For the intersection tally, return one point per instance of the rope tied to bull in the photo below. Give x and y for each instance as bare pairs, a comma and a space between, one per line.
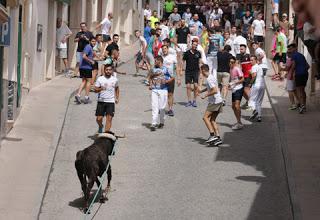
102, 179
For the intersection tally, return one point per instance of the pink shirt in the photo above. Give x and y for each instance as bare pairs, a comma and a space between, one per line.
236, 74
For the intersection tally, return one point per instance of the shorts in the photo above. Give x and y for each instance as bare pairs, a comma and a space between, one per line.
63, 53
192, 78
247, 82
259, 39
86, 74
139, 57
214, 107
310, 43
301, 81
275, 10
291, 85
105, 108
79, 57
237, 95
280, 59
223, 78
171, 87
150, 58
183, 47
105, 37
95, 66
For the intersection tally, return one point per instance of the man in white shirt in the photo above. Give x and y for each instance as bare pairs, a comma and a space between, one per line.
147, 12
164, 29
105, 27
108, 95
141, 55
234, 5
239, 40
258, 29
63, 33
261, 56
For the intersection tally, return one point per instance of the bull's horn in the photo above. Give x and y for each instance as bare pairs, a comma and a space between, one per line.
107, 135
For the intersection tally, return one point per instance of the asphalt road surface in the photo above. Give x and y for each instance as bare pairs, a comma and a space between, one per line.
171, 173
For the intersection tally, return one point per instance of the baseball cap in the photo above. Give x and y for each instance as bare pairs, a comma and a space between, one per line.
284, 15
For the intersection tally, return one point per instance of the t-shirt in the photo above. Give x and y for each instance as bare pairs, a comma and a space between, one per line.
246, 23
157, 82
83, 42
187, 17
147, 33
61, 33
233, 6
259, 80
259, 52
143, 43
281, 38
235, 76
85, 65
147, 13
301, 67
153, 21
182, 35
174, 17
110, 84
307, 27
258, 27
246, 65
198, 26
164, 31
171, 52
239, 40
227, 26
170, 62
111, 47
215, 44
168, 6
224, 61
192, 61
106, 25
212, 83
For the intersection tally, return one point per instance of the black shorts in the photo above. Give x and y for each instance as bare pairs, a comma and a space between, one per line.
301, 81
192, 78
105, 108
237, 95
280, 59
259, 39
246, 82
95, 66
87, 74
171, 87
139, 57
105, 37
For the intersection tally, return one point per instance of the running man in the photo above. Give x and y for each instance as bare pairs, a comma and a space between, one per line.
108, 95
214, 106
192, 58
159, 80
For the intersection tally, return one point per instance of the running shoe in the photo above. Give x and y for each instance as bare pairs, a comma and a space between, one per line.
237, 126
254, 115
245, 105
153, 127
293, 107
86, 100
194, 104
77, 99
211, 139
302, 109
259, 119
170, 113
189, 104
224, 103
146, 82
217, 142
160, 126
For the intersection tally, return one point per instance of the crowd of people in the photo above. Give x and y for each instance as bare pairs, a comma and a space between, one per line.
216, 45
221, 46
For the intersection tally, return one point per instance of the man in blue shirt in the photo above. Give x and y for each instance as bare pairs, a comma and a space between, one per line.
216, 42
301, 72
147, 31
86, 66
159, 80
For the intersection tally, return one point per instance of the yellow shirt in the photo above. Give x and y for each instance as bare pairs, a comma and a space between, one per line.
153, 20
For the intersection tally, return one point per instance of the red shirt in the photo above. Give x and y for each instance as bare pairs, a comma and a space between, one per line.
246, 65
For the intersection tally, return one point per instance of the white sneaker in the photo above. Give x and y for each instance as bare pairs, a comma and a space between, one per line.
237, 126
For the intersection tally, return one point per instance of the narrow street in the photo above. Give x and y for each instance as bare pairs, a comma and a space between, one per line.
171, 173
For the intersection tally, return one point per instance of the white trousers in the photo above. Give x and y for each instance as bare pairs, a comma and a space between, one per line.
159, 99
256, 98
213, 65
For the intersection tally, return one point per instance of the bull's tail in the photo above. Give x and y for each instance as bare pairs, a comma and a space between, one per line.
79, 164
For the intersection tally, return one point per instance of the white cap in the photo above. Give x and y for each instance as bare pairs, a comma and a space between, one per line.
284, 15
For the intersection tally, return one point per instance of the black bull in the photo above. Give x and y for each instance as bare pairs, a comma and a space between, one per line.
91, 163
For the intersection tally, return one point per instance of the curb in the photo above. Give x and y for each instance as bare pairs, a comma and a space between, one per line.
294, 201
53, 151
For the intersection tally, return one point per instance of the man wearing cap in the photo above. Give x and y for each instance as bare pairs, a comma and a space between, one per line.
285, 25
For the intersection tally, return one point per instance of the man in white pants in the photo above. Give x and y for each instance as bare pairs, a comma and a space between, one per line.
159, 80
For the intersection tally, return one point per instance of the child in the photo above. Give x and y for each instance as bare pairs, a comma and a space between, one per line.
159, 80
257, 89
291, 87
214, 106
108, 95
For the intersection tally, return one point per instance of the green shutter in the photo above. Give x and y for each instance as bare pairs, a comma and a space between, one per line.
65, 1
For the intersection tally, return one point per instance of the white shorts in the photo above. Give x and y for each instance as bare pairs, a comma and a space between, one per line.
275, 10
183, 47
63, 53
291, 85
79, 57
